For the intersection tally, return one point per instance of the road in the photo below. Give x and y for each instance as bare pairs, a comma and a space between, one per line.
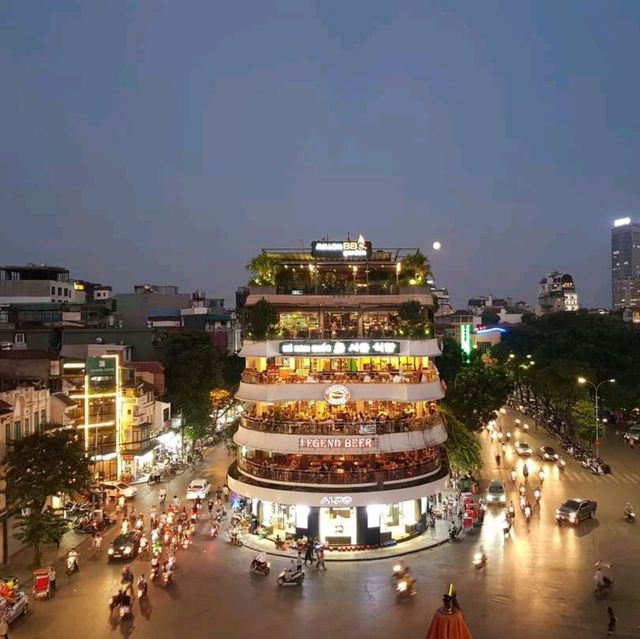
538, 584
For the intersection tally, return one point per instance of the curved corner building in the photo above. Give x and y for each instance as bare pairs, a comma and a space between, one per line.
341, 436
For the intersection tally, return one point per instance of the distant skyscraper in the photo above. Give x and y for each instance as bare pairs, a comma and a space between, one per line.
625, 264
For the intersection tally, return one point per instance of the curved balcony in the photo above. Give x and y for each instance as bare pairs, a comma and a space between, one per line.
337, 427
357, 377
400, 392
340, 478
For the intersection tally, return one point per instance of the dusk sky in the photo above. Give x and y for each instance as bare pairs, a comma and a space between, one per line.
169, 141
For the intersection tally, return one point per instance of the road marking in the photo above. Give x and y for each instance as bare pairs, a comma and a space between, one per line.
615, 480
632, 478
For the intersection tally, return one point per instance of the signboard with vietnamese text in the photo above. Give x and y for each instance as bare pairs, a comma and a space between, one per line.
346, 444
345, 348
101, 372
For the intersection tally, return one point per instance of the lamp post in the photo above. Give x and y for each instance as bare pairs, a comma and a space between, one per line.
596, 388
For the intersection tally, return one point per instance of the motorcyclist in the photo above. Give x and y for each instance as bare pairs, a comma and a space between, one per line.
127, 575
400, 570
215, 528
73, 559
290, 571
629, 509
261, 560
514, 474
541, 475
525, 471
537, 494
511, 511
162, 495
142, 587
527, 511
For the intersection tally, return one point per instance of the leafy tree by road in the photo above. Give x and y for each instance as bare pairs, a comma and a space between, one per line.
478, 391
451, 362
40, 466
463, 448
584, 416
194, 368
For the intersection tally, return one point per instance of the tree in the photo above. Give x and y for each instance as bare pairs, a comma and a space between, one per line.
38, 467
415, 269
451, 361
194, 367
264, 269
584, 418
478, 391
262, 319
463, 448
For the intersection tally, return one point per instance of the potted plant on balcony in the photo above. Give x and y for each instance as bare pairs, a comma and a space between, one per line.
414, 270
264, 270
413, 320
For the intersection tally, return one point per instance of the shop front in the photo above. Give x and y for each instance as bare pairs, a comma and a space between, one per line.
137, 463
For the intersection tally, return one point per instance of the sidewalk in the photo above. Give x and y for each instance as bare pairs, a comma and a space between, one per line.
429, 539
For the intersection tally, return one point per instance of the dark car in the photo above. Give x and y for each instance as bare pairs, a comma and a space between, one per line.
547, 453
125, 546
575, 510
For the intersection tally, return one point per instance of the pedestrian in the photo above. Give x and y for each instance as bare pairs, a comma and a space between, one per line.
4, 628
57, 541
98, 544
299, 561
125, 511
210, 507
52, 578
320, 556
612, 619
218, 493
225, 492
308, 552
498, 460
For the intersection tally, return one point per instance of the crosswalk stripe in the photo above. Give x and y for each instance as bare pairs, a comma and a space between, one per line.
614, 480
631, 477
636, 476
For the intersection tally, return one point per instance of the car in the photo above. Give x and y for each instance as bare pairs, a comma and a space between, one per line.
576, 510
523, 449
547, 453
198, 488
19, 608
125, 546
117, 488
496, 493
633, 433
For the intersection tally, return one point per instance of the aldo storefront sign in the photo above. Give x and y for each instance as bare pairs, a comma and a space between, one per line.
336, 500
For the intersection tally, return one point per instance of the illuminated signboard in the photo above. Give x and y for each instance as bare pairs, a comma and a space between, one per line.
347, 248
623, 221
101, 372
465, 339
336, 394
340, 443
336, 500
343, 347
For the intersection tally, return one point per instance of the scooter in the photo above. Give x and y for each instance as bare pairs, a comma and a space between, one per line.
215, 531
454, 533
406, 588
154, 573
399, 572
167, 577
260, 568
561, 464
630, 516
479, 560
234, 539
291, 579
72, 565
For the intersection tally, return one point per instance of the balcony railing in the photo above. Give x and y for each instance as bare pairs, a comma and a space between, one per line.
360, 476
339, 333
358, 377
337, 427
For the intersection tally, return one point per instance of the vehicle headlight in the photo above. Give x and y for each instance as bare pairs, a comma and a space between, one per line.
572, 516
503, 498
402, 586
127, 550
110, 551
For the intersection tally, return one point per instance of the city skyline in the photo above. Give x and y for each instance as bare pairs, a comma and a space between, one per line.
154, 144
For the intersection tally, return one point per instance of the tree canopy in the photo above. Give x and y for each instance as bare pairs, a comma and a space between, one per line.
463, 448
262, 319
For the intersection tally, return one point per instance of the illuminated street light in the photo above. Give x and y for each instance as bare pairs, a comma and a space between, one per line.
596, 387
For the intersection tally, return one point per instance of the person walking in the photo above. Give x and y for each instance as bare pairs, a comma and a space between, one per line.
612, 620
225, 492
320, 556
308, 552
52, 578
98, 545
498, 458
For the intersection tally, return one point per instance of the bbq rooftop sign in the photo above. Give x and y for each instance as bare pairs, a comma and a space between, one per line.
359, 248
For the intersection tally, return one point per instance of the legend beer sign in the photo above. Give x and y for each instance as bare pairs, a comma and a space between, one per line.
340, 444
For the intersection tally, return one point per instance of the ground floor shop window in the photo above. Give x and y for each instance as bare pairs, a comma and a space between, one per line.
338, 526
396, 521
278, 519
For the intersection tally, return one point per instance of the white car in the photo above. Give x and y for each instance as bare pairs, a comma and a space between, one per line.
496, 493
117, 488
523, 449
198, 488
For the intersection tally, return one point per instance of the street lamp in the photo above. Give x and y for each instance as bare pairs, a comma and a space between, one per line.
596, 388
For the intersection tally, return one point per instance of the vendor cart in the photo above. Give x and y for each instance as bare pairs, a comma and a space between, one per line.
41, 584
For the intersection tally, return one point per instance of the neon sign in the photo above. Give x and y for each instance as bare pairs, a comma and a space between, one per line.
346, 248
336, 394
343, 443
346, 347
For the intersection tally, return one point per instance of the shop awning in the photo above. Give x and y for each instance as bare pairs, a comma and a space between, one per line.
139, 452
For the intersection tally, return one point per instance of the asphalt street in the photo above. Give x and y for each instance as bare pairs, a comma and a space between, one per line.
537, 584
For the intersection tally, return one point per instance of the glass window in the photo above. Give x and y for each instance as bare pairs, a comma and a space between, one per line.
59, 291
43, 416
16, 431
7, 434
26, 426
36, 421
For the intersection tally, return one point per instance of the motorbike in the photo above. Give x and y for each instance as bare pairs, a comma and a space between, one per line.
234, 539
506, 528
215, 531
142, 590
454, 533
400, 571
406, 588
291, 579
154, 573
72, 564
479, 560
561, 463
630, 516
167, 577
260, 567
